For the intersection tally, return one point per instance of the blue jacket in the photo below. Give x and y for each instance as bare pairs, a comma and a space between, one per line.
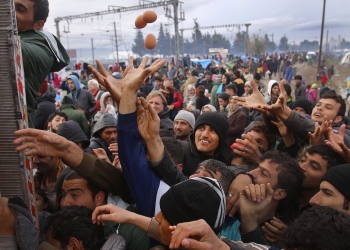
83, 99
145, 186
289, 73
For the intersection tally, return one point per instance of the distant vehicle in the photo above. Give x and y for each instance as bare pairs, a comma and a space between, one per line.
345, 59
310, 55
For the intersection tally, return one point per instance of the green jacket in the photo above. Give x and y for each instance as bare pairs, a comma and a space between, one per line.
39, 59
75, 115
214, 96
135, 238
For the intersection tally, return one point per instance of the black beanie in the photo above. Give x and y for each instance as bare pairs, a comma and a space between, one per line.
194, 199
303, 103
324, 90
67, 100
215, 120
257, 76
224, 96
72, 132
339, 177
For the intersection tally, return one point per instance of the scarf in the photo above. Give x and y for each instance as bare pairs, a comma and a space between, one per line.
231, 112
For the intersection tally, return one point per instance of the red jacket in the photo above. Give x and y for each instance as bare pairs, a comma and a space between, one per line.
177, 100
324, 79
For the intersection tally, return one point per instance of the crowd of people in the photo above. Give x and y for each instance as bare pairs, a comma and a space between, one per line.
184, 158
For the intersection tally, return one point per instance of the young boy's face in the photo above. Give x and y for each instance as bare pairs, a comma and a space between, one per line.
163, 229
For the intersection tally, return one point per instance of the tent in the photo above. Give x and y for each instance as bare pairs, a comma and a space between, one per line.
345, 59
204, 62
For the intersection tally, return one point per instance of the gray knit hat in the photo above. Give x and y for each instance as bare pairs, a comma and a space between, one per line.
187, 116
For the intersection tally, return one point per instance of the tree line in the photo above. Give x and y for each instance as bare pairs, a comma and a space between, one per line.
200, 43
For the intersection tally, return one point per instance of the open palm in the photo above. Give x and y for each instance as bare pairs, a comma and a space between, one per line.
256, 99
134, 77
108, 81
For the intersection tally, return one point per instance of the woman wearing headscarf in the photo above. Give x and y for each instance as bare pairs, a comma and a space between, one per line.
190, 98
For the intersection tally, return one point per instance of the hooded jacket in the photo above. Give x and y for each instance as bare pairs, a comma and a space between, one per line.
165, 122
83, 99
214, 95
72, 132
75, 115
103, 106
44, 108
96, 141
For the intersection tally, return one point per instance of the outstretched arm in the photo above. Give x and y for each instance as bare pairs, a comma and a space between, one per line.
44, 143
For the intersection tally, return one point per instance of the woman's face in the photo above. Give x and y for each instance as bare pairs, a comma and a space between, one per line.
233, 104
40, 204
246, 89
222, 102
206, 110
192, 91
224, 79
275, 90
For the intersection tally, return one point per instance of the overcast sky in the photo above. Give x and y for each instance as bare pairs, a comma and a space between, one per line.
298, 19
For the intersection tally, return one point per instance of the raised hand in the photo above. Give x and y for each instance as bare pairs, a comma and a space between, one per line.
44, 143
101, 154
134, 77
110, 213
253, 100
195, 235
336, 142
317, 136
113, 147
108, 81
232, 204
255, 198
284, 131
274, 229
280, 107
248, 148
147, 120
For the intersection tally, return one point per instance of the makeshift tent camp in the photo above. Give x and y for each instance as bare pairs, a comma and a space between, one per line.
345, 59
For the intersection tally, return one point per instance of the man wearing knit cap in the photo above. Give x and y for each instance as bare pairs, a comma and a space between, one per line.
183, 202
71, 131
183, 125
302, 106
334, 189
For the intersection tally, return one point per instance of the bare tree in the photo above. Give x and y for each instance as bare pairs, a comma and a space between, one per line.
257, 44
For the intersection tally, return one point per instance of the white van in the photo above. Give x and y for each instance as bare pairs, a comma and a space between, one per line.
310, 54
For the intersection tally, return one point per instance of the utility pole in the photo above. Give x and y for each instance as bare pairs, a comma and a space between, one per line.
116, 41
141, 6
327, 43
195, 36
176, 24
321, 38
246, 38
183, 43
92, 50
